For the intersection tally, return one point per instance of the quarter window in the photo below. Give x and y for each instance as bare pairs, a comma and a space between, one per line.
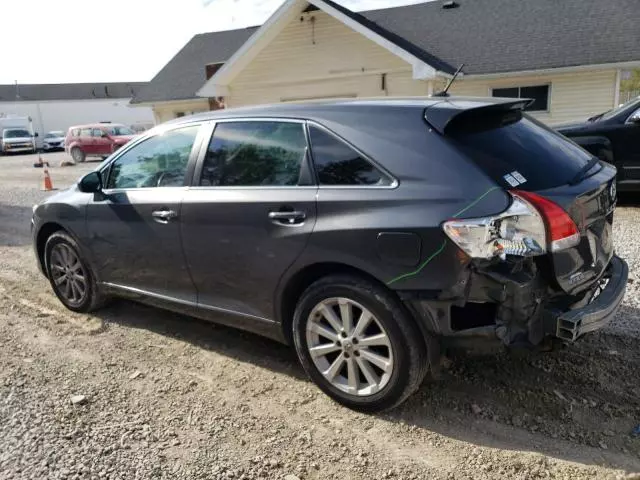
539, 94
336, 163
262, 153
160, 161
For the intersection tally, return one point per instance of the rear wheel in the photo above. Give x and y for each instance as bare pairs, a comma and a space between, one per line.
358, 344
77, 155
71, 278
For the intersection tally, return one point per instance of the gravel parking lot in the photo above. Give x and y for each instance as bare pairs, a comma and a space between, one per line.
166, 396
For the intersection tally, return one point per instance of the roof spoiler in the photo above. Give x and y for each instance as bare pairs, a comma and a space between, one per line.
441, 115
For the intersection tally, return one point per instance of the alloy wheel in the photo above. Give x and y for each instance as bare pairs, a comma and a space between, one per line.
67, 274
349, 346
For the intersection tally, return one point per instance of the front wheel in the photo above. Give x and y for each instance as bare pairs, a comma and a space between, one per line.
71, 278
358, 344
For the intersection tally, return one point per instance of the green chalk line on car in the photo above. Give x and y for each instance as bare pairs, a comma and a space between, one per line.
444, 243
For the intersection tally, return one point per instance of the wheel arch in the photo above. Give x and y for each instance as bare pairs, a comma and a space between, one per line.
598, 145
45, 231
297, 283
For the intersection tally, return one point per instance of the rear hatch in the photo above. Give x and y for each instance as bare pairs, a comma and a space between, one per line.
518, 152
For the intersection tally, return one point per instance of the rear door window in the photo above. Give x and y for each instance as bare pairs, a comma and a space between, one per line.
256, 153
521, 153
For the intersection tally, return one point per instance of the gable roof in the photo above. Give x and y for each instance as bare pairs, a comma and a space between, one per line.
488, 36
68, 91
423, 64
185, 72
420, 50
492, 36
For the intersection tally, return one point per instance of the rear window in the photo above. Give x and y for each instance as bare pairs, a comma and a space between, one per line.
517, 151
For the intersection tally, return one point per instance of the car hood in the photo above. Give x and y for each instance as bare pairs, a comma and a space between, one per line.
17, 140
54, 139
574, 127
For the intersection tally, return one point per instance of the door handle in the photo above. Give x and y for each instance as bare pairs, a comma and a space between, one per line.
288, 217
163, 216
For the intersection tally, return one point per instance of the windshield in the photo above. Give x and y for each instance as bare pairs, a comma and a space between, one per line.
522, 153
55, 134
612, 113
16, 133
117, 130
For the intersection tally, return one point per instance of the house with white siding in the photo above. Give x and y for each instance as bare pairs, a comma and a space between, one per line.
568, 56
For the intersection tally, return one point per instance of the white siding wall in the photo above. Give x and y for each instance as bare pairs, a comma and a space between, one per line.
574, 96
323, 59
169, 110
61, 114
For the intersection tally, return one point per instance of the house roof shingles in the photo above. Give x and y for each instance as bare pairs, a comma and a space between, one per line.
183, 76
495, 36
68, 91
488, 36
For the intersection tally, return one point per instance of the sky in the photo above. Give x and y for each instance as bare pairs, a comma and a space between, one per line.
68, 41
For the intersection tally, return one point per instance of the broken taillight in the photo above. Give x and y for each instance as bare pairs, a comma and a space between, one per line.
525, 229
562, 230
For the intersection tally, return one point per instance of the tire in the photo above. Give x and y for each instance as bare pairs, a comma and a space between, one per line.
403, 350
59, 250
77, 155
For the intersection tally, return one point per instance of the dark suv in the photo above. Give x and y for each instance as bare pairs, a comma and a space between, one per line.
370, 234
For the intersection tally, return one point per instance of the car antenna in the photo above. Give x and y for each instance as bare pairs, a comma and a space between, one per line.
444, 93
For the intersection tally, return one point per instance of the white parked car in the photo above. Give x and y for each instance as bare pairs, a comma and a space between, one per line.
53, 141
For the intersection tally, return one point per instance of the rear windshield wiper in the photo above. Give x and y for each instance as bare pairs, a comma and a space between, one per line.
585, 169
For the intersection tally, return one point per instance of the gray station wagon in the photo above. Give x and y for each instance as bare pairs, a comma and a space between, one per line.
370, 234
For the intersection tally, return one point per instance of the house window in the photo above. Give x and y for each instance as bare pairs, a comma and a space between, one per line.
539, 94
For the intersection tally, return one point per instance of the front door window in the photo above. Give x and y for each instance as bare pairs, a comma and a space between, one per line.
160, 161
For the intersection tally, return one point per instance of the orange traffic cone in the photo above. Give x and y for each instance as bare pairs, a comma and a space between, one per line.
48, 185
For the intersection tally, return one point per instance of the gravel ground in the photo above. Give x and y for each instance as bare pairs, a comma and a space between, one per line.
159, 395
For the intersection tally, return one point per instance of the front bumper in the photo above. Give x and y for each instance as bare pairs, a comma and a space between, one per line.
48, 146
571, 324
12, 149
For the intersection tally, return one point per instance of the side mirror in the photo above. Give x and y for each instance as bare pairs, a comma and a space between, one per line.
91, 183
35, 134
635, 117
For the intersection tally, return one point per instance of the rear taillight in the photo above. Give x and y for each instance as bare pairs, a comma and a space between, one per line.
561, 229
524, 229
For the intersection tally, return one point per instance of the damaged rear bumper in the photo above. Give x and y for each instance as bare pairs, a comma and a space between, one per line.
572, 324
521, 309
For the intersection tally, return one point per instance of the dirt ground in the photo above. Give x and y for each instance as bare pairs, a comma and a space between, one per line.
167, 396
